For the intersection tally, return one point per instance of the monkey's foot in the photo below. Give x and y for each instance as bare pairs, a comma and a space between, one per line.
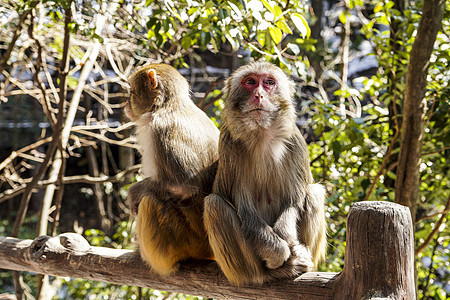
301, 258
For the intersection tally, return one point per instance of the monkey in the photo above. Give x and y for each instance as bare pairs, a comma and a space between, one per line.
179, 148
265, 217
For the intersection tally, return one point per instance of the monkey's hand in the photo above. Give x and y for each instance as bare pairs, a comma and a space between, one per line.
275, 255
135, 193
299, 262
301, 258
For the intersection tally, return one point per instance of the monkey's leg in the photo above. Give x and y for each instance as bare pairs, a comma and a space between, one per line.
236, 258
286, 227
312, 228
166, 236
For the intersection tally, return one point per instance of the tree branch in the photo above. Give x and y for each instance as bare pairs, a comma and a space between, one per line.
435, 230
414, 105
70, 255
11, 193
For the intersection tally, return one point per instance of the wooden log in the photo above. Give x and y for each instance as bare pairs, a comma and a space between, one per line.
379, 256
378, 263
70, 255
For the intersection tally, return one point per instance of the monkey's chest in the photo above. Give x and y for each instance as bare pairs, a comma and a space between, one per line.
145, 137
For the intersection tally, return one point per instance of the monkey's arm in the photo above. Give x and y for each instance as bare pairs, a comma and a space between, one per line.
286, 225
270, 247
287, 228
148, 187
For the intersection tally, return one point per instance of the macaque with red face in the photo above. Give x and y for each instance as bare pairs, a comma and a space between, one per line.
265, 218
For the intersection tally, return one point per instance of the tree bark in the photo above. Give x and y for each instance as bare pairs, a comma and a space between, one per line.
379, 257
378, 263
414, 106
70, 255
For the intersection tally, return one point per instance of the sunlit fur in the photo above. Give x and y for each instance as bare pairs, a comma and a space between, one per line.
265, 218
179, 145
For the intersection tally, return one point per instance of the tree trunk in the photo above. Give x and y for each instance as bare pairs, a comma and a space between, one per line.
414, 106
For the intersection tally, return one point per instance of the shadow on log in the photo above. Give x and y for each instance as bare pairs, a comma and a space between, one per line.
379, 263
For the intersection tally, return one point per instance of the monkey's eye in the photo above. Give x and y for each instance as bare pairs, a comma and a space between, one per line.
270, 81
249, 81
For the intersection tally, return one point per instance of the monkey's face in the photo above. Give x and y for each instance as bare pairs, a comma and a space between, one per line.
259, 96
259, 102
259, 91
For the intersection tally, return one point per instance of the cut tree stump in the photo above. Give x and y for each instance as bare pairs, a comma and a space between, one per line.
379, 263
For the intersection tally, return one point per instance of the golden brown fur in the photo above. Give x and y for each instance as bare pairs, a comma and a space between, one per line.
265, 218
179, 152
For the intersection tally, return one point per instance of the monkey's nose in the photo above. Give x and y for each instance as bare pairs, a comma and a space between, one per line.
259, 98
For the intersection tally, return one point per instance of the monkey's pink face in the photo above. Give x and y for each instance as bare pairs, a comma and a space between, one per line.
260, 88
129, 111
128, 105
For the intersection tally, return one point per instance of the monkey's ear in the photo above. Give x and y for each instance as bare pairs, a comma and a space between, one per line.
152, 79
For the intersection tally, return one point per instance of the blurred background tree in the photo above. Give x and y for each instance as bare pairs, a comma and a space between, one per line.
67, 155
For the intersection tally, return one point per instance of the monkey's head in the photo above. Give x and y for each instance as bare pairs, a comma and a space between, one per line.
155, 86
258, 96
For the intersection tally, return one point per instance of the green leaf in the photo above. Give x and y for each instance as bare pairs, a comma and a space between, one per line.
389, 5
283, 26
151, 22
262, 38
336, 147
378, 7
205, 37
294, 48
301, 24
235, 9
166, 24
343, 18
278, 11
209, 4
276, 34
269, 7
186, 42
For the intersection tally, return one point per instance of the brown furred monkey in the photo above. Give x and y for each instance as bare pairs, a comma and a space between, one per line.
265, 218
179, 147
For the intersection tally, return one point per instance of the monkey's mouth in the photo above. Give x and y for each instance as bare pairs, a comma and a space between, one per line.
258, 110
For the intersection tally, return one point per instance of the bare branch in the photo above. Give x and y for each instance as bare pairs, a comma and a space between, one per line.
11, 193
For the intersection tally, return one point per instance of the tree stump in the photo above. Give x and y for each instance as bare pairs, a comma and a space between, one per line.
379, 256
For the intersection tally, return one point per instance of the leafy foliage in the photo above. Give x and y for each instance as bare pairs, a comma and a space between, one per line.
351, 151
